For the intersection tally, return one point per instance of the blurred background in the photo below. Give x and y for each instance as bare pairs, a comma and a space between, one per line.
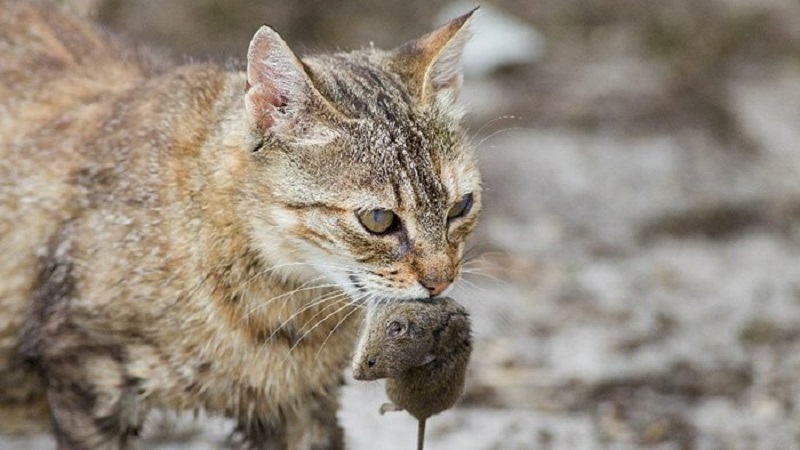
638, 284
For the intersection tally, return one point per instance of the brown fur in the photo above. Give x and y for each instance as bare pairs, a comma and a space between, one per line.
185, 237
425, 361
423, 348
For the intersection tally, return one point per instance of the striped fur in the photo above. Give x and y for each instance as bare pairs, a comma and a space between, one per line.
185, 237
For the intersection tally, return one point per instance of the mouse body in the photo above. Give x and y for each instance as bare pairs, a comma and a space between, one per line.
422, 348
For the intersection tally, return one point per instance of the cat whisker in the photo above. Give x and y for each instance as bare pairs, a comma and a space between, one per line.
281, 266
495, 120
460, 288
303, 287
470, 285
329, 297
333, 296
481, 273
475, 253
320, 322
485, 263
319, 313
488, 267
338, 324
244, 284
479, 145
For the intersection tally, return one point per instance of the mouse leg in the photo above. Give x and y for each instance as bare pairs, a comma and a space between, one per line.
387, 407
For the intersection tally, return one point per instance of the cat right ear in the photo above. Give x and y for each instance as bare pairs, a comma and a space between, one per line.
431, 64
278, 89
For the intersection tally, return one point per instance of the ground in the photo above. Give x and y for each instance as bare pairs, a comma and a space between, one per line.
637, 284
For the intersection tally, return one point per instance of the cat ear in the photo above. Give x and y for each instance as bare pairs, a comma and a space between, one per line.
432, 63
279, 92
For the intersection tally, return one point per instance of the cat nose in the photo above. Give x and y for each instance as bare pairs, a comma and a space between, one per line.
436, 287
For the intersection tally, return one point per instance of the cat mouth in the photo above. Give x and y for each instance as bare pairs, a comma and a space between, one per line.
358, 285
358, 288
366, 295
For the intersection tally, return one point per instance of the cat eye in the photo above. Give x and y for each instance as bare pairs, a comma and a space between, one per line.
379, 221
460, 208
395, 328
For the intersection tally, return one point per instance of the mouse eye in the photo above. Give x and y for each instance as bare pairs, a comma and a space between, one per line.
371, 362
396, 328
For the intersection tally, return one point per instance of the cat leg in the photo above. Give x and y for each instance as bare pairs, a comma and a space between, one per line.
313, 427
258, 434
89, 399
83, 366
316, 426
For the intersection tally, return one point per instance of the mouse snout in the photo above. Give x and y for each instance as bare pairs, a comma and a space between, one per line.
361, 371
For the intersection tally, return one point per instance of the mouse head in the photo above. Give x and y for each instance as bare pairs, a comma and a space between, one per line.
398, 337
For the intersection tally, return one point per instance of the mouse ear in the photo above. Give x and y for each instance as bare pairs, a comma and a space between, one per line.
429, 358
396, 328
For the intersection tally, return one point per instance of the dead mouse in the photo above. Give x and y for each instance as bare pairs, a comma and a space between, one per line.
422, 347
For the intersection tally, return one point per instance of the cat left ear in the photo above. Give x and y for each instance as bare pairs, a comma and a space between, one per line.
432, 63
279, 92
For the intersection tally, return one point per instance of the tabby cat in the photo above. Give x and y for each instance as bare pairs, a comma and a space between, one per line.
195, 238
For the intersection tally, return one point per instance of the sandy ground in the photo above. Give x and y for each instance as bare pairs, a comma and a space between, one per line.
638, 284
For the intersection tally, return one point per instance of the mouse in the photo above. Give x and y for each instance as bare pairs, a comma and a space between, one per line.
422, 347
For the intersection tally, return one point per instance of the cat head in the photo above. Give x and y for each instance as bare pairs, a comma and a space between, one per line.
362, 173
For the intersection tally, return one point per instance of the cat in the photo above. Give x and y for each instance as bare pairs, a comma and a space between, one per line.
196, 238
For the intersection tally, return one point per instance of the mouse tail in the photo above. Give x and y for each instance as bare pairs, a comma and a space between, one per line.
420, 434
